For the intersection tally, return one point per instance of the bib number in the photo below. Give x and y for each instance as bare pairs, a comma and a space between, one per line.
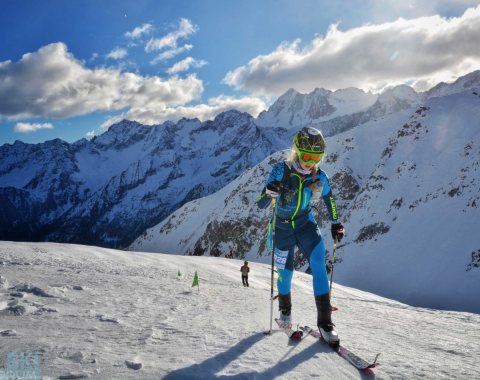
280, 258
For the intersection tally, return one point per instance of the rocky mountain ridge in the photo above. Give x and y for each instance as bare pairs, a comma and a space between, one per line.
109, 190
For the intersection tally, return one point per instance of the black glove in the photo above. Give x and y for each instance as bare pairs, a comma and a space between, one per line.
337, 232
274, 189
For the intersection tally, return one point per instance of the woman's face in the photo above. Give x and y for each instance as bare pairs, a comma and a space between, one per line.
306, 166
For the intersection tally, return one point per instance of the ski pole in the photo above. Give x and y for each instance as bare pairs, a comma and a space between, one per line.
272, 277
333, 266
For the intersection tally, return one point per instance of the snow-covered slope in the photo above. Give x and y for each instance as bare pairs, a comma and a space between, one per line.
227, 219
413, 225
92, 312
408, 190
463, 83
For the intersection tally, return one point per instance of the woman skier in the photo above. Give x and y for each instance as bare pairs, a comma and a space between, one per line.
292, 184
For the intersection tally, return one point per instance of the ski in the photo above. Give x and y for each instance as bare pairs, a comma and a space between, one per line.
349, 356
298, 334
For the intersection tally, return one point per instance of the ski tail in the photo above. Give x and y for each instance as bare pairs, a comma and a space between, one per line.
344, 352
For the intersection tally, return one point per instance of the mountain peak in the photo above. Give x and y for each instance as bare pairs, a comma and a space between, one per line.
320, 92
401, 91
471, 80
232, 115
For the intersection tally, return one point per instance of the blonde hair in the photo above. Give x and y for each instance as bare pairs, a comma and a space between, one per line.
294, 157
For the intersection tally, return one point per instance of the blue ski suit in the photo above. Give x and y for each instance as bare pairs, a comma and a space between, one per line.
295, 225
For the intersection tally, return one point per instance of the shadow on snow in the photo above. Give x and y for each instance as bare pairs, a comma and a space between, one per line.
209, 368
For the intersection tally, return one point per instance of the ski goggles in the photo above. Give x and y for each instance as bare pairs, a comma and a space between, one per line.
309, 157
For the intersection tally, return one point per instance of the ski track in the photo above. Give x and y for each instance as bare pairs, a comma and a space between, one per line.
109, 307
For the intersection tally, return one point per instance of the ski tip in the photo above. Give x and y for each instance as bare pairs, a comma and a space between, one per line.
297, 335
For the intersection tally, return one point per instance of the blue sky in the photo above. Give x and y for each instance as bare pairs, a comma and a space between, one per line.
69, 69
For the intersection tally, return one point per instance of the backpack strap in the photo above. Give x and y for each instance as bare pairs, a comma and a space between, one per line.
287, 170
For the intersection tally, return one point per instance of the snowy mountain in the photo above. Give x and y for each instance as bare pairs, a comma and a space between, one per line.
337, 111
294, 110
109, 190
96, 313
227, 219
407, 187
463, 83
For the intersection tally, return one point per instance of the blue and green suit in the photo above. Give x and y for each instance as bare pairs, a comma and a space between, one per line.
295, 224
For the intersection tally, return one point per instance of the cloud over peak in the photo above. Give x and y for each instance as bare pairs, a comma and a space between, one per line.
423, 51
31, 127
52, 83
206, 111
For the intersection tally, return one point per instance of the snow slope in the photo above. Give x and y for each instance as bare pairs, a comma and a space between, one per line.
89, 310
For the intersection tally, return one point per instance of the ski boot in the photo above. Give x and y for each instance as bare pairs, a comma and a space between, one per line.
285, 307
324, 320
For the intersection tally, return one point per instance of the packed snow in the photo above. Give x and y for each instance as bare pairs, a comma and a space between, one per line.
105, 314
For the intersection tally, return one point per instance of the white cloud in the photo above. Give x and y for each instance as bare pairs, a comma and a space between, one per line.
185, 65
31, 127
117, 53
139, 31
90, 134
185, 29
155, 115
423, 50
167, 54
52, 83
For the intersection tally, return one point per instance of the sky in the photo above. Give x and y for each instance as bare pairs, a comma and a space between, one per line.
70, 69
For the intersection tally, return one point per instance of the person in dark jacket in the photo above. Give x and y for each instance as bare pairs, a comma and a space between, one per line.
293, 183
245, 270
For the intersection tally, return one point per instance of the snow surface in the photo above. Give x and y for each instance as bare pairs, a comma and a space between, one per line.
109, 308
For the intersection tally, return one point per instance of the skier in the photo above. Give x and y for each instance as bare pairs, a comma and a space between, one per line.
293, 183
245, 269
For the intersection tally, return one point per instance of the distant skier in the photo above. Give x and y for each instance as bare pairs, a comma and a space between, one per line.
245, 270
293, 183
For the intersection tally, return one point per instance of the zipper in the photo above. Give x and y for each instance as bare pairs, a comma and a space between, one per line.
299, 201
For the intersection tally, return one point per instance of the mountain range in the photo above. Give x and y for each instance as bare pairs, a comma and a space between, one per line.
108, 190
404, 166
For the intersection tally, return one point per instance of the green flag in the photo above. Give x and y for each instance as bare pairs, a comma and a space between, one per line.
195, 280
